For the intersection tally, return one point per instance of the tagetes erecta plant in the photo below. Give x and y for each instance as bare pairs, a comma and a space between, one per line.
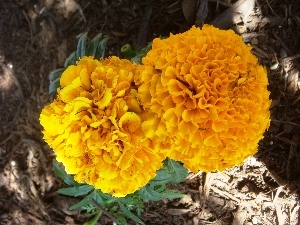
206, 98
94, 127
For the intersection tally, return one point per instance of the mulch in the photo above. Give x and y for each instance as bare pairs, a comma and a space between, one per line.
36, 36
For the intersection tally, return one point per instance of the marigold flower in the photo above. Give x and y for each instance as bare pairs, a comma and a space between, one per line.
94, 126
206, 98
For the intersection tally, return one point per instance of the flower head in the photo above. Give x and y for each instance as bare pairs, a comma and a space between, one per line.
206, 95
94, 126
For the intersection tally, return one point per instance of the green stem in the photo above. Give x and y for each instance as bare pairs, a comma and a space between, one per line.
94, 203
127, 51
95, 219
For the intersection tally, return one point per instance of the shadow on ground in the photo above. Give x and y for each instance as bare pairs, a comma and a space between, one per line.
37, 36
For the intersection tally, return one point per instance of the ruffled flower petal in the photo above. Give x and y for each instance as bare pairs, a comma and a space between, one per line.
95, 127
208, 94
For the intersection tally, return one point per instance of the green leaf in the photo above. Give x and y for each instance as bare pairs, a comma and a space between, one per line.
163, 176
68, 179
53, 86
149, 194
179, 172
83, 202
170, 194
76, 191
140, 209
111, 200
172, 171
92, 49
56, 74
132, 199
71, 60
95, 219
113, 209
130, 214
98, 198
81, 46
101, 49
120, 218
89, 208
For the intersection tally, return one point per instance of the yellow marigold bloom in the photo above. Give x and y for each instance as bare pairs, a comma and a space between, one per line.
206, 98
94, 126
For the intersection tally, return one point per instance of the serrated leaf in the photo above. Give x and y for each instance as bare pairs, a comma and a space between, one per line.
180, 173
76, 191
98, 198
133, 201
163, 176
104, 196
149, 194
101, 49
140, 209
129, 200
172, 171
120, 218
68, 179
92, 49
81, 46
89, 208
71, 60
83, 202
53, 86
130, 214
56, 74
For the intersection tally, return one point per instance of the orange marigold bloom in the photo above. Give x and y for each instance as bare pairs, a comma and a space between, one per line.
94, 126
206, 98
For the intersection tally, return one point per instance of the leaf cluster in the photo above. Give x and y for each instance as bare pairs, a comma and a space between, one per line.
155, 190
96, 48
97, 203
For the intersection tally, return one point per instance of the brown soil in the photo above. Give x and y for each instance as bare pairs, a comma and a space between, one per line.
36, 36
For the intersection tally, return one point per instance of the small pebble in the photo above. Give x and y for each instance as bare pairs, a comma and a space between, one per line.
274, 66
240, 29
254, 220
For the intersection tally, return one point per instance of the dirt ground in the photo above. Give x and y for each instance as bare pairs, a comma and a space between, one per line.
36, 36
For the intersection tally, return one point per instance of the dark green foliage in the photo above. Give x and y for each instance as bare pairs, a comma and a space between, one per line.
96, 48
124, 207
